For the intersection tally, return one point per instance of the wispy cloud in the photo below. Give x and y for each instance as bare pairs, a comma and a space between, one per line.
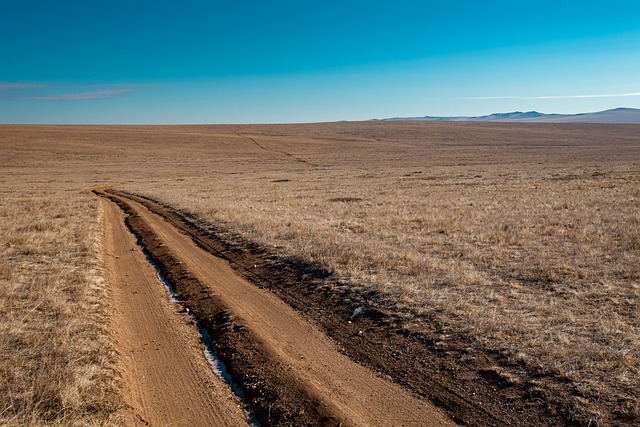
88, 94
49, 91
605, 95
16, 86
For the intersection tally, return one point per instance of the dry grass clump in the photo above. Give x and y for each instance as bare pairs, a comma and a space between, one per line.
56, 366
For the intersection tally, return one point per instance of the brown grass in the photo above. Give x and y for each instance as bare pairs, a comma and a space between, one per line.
541, 269
522, 238
55, 368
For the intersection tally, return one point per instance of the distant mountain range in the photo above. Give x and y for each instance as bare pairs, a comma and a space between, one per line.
617, 115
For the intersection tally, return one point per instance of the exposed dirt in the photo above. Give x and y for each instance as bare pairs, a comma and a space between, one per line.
461, 378
290, 371
166, 379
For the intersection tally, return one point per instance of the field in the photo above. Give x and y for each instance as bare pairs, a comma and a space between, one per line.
512, 249
57, 365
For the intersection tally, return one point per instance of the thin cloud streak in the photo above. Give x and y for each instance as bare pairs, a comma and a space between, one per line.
86, 95
16, 86
608, 95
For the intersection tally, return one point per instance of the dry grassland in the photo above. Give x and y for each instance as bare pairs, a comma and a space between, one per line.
56, 366
523, 239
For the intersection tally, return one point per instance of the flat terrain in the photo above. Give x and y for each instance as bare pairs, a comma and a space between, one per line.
501, 259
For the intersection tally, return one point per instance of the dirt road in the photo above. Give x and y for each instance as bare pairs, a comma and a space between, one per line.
166, 378
306, 378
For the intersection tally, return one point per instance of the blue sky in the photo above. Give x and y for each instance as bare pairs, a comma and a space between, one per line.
198, 61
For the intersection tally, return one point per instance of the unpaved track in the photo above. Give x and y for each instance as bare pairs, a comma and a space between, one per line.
166, 378
345, 390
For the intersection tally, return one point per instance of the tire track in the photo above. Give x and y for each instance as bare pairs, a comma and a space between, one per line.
374, 338
264, 148
290, 371
166, 379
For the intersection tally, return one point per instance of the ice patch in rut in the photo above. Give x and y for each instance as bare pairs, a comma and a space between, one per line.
217, 366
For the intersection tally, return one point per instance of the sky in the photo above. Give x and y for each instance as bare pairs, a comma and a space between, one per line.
204, 61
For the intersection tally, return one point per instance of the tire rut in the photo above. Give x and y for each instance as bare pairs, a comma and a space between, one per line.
291, 156
290, 373
376, 337
165, 377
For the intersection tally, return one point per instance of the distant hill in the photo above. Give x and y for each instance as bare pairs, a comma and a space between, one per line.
617, 115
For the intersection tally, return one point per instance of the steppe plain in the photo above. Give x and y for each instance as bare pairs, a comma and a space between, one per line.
506, 254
